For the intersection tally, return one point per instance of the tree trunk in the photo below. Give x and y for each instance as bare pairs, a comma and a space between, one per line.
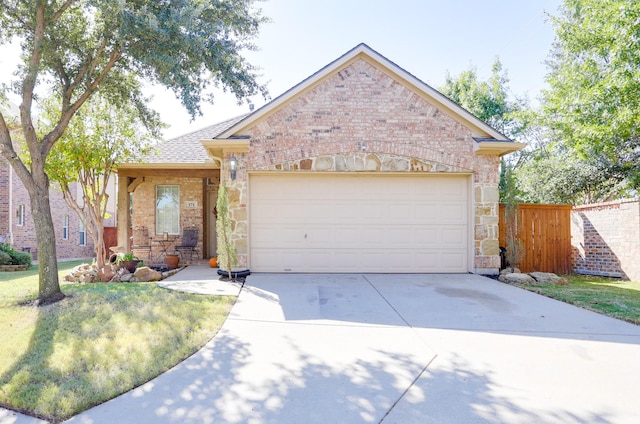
98, 241
49, 286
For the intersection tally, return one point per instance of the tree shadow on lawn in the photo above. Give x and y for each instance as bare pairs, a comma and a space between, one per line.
84, 337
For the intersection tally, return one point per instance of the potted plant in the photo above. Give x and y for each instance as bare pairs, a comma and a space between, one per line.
129, 261
172, 261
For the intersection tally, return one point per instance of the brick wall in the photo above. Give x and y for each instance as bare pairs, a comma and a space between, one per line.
4, 197
24, 237
605, 239
327, 126
144, 201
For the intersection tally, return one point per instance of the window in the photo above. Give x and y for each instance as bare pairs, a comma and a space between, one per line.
65, 228
167, 209
83, 235
20, 215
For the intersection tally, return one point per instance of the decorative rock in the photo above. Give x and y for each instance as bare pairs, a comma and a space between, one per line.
510, 270
548, 278
84, 273
514, 278
105, 274
87, 278
89, 274
147, 274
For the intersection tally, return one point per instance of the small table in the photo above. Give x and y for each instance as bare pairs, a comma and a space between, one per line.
164, 244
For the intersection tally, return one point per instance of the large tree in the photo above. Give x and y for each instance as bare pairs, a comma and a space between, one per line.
491, 101
592, 104
555, 174
488, 100
73, 48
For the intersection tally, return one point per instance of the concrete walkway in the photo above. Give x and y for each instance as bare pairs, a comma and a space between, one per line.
201, 280
396, 349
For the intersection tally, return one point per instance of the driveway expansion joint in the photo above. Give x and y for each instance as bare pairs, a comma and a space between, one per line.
386, 301
415, 380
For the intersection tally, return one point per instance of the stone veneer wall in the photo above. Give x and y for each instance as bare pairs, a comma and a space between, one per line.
606, 239
361, 108
144, 207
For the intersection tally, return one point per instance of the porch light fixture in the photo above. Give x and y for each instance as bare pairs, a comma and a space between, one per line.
233, 165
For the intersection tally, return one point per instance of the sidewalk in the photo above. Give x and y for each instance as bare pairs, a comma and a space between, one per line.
200, 279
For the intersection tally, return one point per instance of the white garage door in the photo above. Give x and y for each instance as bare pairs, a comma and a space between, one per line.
359, 223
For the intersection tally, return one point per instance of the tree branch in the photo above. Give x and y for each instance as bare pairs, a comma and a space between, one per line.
60, 11
31, 78
68, 113
86, 70
9, 153
63, 74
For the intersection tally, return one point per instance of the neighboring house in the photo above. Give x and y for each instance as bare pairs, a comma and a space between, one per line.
16, 219
359, 168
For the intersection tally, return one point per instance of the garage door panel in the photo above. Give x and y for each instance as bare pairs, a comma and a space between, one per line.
358, 223
453, 237
276, 238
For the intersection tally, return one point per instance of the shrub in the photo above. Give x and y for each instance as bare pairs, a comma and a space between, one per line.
5, 259
21, 258
16, 257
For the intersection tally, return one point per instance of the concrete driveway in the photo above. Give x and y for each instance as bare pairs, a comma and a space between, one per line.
396, 349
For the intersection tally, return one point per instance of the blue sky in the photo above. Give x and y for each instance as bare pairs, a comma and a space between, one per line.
425, 37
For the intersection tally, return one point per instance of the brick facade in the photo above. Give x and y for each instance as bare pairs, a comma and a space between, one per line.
362, 119
24, 236
144, 205
5, 170
606, 239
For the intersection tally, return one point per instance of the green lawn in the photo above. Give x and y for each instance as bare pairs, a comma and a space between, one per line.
608, 296
102, 340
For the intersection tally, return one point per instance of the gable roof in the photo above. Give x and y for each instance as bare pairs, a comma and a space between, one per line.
487, 139
186, 150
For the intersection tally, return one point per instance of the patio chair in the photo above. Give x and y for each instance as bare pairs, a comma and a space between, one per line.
189, 242
141, 241
4, 238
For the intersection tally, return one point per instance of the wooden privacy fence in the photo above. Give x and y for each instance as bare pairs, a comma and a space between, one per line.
545, 231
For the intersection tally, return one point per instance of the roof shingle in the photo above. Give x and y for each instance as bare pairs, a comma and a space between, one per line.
187, 148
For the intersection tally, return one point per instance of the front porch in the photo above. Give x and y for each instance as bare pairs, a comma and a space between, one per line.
156, 206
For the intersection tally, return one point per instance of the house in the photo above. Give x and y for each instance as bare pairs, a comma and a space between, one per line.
16, 221
361, 167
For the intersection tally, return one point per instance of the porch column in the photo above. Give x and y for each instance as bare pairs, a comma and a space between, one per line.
123, 212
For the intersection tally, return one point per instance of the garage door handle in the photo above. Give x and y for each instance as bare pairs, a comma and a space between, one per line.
305, 236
